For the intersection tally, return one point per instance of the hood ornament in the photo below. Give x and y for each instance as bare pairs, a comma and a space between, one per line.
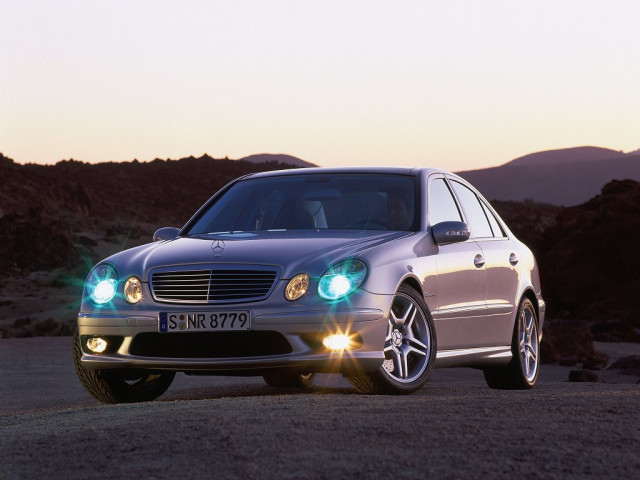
217, 247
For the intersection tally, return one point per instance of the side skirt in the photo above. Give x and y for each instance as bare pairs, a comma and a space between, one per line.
474, 357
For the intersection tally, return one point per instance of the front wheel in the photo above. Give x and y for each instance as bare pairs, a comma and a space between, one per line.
409, 348
120, 386
522, 371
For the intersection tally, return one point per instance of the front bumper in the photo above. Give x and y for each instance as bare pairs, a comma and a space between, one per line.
300, 329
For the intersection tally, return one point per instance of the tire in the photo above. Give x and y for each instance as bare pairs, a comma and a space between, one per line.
522, 372
287, 379
120, 386
409, 348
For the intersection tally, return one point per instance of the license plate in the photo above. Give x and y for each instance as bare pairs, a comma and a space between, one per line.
204, 321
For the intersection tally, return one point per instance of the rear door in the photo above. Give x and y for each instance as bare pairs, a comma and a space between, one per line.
499, 261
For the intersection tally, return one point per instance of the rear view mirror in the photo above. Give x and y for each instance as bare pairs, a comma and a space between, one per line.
450, 232
165, 233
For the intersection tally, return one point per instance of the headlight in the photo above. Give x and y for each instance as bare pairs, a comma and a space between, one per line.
102, 284
297, 287
133, 290
342, 279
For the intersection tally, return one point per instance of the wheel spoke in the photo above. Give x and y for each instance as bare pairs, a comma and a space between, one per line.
405, 365
533, 355
389, 331
400, 321
399, 364
416, 344
422, 353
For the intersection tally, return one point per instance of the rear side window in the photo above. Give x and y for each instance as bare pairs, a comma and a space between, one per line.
495, 226
442, 207
478, 221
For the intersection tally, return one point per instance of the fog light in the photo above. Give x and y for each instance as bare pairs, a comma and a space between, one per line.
337, 342
97, 344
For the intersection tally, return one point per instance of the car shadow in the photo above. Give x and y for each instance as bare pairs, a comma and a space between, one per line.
250, 390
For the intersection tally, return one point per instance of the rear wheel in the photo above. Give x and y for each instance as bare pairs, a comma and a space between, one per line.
288, 379
409, 348
120, 386
522, 371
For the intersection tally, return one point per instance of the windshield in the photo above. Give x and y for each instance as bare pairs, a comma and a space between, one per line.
313, 201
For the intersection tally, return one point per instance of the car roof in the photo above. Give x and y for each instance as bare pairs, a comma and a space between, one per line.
417, 171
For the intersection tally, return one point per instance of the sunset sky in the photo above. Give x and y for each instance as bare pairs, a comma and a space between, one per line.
452, 84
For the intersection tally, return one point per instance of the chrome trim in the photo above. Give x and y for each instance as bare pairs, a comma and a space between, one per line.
319, 317
470, 356
201, 286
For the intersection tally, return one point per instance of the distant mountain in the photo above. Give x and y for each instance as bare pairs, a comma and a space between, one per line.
277, 157
567, 155
561, 177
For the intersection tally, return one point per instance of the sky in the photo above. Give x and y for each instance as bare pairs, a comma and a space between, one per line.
451, 84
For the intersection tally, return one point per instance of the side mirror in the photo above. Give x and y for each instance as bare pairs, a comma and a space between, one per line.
165, 233
450, 232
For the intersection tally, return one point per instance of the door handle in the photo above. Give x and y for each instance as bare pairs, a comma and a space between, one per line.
478, 261
513, 259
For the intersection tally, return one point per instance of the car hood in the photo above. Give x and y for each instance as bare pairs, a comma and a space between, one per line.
293, 251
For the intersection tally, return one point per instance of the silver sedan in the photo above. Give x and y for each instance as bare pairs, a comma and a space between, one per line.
381, 274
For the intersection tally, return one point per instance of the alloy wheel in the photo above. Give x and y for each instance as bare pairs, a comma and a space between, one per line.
407, 346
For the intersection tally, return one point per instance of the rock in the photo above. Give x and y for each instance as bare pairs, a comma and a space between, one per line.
596, 361
587, 244
568, 361
615, 331
566, 342
583, 376
627, 365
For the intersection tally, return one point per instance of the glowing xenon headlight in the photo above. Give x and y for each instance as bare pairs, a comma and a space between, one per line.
342, 279
133, 290
102, 284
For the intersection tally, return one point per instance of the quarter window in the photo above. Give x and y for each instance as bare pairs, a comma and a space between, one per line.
475, 212
442, 206
495, 226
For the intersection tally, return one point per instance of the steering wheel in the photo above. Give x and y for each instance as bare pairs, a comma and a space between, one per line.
364, 223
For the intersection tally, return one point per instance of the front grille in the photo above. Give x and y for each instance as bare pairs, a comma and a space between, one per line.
218, 285
209, 344
188, 286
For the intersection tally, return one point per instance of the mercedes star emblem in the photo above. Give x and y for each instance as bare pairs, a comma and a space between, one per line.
217, 246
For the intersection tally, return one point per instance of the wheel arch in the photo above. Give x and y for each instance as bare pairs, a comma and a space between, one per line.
530, 294
414, 283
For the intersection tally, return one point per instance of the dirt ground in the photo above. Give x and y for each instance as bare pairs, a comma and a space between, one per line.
225, 427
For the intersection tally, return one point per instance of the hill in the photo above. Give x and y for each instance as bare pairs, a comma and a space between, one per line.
560, 177
277, 157
567, 155
54, 209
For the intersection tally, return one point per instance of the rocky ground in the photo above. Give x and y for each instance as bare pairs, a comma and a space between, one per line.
219, 427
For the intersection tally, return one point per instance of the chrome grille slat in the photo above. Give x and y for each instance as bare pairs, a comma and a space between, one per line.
216, 285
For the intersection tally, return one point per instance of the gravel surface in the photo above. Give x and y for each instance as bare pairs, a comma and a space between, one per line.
217, 427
